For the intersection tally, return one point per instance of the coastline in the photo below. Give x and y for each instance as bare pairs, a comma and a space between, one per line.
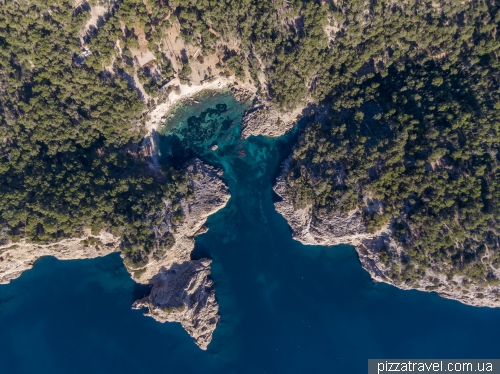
199, 312
16, 258
211, 195
341, 228
155, 117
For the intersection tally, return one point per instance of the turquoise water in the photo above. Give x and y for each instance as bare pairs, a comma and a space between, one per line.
192, 129
285, 307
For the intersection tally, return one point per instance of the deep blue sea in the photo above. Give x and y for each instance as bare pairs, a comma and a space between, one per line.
285, 307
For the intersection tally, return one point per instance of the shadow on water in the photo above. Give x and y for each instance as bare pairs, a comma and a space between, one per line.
172, 152
4, 303
140, 291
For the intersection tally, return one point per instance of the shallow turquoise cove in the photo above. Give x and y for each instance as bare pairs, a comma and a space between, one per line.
285, 307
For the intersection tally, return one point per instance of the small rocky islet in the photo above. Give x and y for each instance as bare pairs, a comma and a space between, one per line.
243, 159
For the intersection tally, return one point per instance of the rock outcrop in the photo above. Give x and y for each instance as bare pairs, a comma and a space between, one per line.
185, 293
210, 194
348, 228
182, 290
325, 230
16, 258
264, 119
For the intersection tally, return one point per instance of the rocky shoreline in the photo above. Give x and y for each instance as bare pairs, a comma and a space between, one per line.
185, 293
263, 119
341, 228
174, 273
16, 258
179, 282
210, 195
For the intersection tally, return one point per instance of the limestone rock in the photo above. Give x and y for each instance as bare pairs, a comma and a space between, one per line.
327, 230
16, 258
264, 119
185, 293
348, 228
182, 290
210, 195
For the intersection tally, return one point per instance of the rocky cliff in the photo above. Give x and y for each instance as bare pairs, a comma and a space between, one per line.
378, 253
265, 119
181, 288
185, 293
209, 195
16, 258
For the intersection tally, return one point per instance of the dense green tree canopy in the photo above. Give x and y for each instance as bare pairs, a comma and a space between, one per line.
411, 88
68, 158
420, 134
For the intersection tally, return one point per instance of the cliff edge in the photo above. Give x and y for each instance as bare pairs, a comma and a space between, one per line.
185, 293
378, 252
182, 290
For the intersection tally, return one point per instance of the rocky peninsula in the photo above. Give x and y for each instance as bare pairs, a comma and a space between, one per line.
177, 282
185, 293
182, 289
336, 227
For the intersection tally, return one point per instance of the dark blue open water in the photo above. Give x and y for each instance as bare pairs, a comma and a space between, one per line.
285, 307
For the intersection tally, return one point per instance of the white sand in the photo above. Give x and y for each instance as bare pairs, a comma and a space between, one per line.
156, 115
186, 91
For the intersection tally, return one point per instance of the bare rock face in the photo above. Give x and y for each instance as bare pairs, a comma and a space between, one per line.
378, 252
266, 120
16, 258
182, 289
185, 293
326, 230
242, 92
210, 195
370, 250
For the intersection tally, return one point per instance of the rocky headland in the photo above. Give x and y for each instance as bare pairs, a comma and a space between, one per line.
336, 227
185, 293
182, 290
210, 194
174, 277
267, 120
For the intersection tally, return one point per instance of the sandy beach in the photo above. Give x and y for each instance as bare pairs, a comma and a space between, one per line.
156, 115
